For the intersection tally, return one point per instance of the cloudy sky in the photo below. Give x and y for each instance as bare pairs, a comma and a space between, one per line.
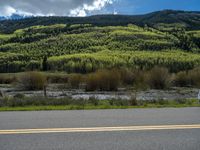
91, 7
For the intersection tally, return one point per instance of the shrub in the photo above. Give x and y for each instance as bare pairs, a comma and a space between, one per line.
158, 78
182, 79
133, 101
118, 102
181, 101
92, 83
80, 102
56, 78
194, 76
7, 79
19, 95
104, 80
2, 102
139, 80
75, 80
93, 101
127, 77
32, 81
36, 101
1, 94
161, 102
108, 80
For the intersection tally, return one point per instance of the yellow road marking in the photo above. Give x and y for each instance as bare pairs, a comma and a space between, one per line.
99, 129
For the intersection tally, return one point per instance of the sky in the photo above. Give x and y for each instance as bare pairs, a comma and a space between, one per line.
83, 8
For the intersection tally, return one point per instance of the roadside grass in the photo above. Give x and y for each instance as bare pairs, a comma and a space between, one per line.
107, 104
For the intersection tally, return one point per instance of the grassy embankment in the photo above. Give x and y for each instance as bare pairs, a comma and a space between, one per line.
97, 104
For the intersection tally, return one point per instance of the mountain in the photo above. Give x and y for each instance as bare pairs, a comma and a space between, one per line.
85, 44
13, 17
17, 17
2, 18
188, 19
191, 19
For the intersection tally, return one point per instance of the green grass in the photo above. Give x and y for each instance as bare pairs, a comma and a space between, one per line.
104, 105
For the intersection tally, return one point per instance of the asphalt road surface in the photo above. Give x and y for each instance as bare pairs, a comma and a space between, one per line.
131, 129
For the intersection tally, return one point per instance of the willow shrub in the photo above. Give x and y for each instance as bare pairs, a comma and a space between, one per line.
140, 79
7, 79
182, 79
92, 82
194, 76
32, 81
103, 80
158, 78
75, 80
57, 78
127, 76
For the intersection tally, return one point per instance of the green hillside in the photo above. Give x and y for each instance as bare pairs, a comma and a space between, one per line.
89, 62
190, 20
87, 47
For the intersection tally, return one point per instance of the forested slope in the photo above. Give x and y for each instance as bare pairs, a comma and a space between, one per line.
189, 19
171, 42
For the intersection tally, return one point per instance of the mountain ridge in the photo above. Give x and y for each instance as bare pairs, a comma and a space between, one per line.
189, 19
14, 17
83, 45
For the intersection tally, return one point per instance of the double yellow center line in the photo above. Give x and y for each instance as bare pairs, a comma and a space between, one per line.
99, 129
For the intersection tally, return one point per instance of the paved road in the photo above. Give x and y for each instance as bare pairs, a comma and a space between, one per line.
182, 139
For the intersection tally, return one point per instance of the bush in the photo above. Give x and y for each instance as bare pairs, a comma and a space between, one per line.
181, 101
133, 101
57, 78
2, 101
182, 79
7, 79
92, 83
140, 80
158, 78
93, 101
162, 102
19, 95
75, 80
32, 81
104, 80
118, 102
127, 77
194, 76
36, 101
108, 80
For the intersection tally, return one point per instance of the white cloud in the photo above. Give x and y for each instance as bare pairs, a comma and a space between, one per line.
8, 11
52, 7
96, 5
115, 12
